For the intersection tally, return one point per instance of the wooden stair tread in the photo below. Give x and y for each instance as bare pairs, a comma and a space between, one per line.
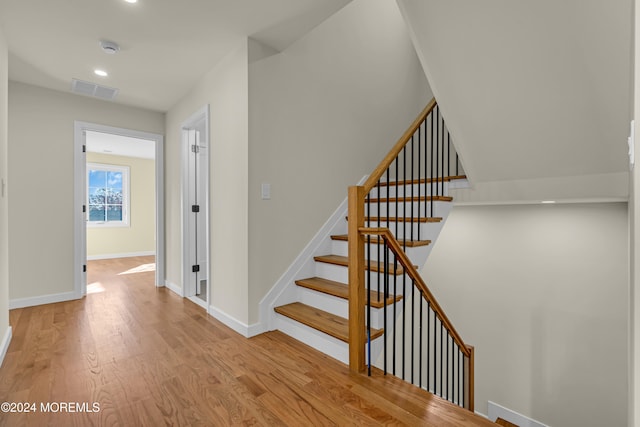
411, 199
423, 180
341, 290
336, 326
505, 423
344, 261
376, 239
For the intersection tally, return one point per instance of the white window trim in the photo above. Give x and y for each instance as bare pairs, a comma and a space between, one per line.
126, 200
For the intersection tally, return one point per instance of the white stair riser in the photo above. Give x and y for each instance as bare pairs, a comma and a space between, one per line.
409, 190
323, 342
408, 230
319, 340
341, 274
336, 305
415, 209
325, 302
340, 247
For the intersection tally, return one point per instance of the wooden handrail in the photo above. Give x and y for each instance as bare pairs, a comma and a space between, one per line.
410, 269
357, 230
404, 139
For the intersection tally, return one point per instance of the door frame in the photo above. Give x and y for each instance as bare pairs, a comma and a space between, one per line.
200, 116
80, 186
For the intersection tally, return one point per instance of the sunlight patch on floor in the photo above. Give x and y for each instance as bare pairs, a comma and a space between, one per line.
143, 268
95, 288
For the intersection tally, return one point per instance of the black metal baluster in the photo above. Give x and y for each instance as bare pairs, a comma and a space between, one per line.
441, 354
413, 321
404, 193
428, 342
435, 354
419, 175
434, 138
442, 160
448, 154
368, 221
420, 345
386, 294
426, 161
446, 381
395, 276
438, 159
412, 180
379, 216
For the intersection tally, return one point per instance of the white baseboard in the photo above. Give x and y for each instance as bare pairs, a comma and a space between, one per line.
174, 288
243, 329
4, 345
497, 411
41, 300
124, 255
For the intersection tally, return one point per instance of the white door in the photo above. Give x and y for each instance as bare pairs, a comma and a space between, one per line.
196, 230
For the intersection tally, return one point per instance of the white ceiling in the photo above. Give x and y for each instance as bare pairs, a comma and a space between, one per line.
166, 45
530, 89
117, 145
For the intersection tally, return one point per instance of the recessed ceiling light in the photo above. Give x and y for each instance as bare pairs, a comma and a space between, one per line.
101, 73
131, 1
548, 202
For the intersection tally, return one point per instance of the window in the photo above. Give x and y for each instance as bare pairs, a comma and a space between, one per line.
107, 195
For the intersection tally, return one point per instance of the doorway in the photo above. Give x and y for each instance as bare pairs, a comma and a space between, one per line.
113, 213
195, 201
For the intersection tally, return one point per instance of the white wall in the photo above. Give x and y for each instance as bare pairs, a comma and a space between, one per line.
4, 224
41, 143
225, 89
139, 236
322, 114
541, 292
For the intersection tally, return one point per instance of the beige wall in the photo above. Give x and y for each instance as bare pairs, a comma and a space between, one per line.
634, 242
322, 114
225, 89
41, 144
139, 236
4, 227
541, 292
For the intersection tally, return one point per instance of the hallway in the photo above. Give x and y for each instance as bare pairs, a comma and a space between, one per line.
149, 357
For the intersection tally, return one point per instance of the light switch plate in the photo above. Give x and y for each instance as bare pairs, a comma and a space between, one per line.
266, 191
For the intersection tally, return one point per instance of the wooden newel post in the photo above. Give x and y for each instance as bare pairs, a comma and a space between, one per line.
469, 380
357, 332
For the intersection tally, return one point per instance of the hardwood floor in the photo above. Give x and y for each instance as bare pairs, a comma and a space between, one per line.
149, 358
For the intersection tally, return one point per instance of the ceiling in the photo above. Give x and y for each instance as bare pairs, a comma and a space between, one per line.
118, 145
166, 45
530, 89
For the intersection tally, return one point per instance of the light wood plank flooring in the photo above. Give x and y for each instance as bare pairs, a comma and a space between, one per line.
151, 358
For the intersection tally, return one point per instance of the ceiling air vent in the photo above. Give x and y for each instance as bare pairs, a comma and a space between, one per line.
91, 89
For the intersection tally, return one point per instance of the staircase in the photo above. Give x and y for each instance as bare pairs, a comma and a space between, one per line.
322, 305
400, 213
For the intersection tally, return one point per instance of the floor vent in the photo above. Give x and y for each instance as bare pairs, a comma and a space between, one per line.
91, 89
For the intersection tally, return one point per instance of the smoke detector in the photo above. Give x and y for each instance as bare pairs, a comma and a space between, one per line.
109, 47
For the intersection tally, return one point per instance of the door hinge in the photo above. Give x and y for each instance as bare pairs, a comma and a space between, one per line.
84, 148
84, 208
195, 208
84, 268
195, 268
195, 148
